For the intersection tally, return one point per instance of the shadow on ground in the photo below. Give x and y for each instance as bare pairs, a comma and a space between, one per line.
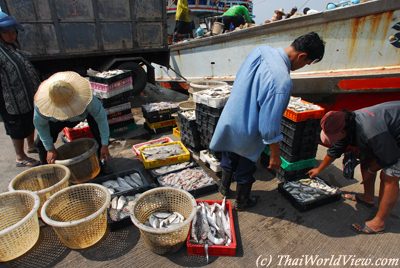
47, 252
114, 245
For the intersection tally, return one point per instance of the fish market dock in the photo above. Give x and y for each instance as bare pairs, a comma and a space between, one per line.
272, 234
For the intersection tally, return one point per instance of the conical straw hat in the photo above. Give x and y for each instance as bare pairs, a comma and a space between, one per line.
63, 95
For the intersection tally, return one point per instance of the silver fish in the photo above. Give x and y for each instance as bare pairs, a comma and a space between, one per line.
121, 202
123, 183
110, 184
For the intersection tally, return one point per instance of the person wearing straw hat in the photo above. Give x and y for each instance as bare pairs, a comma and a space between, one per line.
375, 132
278, 15
18, 84
64, 100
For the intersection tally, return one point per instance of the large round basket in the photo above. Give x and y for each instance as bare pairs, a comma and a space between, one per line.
170, 239
19, 226
43, 180
81, 157
78, 214
187, 105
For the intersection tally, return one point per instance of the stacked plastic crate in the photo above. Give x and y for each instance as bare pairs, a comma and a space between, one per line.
209, 106
159, 116
114, 89
189, 133
300, 129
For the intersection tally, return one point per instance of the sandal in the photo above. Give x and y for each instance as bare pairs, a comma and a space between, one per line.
27, 163
356, 198
365, 229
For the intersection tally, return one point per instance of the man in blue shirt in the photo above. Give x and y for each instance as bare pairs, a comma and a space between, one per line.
252, 116
64, 100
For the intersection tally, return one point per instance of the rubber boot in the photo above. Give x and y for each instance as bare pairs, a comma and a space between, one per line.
243, 198
224, 187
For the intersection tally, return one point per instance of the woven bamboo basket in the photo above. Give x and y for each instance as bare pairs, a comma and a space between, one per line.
19, 225
170, 239
78, 214
80, 156
42, 180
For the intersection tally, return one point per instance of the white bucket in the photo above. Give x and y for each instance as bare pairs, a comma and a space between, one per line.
217, 28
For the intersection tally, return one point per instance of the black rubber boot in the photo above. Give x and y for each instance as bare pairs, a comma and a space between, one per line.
224, 187
243, 198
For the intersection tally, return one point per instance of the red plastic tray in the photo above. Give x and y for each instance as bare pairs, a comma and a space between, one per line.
77, 133
215, 250
302, 116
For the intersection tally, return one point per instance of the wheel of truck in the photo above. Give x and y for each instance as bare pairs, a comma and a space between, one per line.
139, 75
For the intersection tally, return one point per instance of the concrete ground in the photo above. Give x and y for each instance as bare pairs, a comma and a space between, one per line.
272, 234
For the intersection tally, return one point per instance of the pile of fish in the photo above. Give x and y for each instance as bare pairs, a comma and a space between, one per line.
309, 190
83, 124
188, 179
297, 105
108, 74
163, 220
126, 183
121, 207
162, 152
190, 115
159, 106
219, 92
171, 168
211, 225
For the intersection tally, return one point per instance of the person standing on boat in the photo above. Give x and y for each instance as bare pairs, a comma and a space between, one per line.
64, 100
236, 15
18, 83
251, 118
375, 132
183, 23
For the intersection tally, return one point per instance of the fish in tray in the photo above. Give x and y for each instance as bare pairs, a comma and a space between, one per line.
164, 219
162, 152
296, 104
171, 168
189, 115
125, 183
159, 106
309, 190
211, 225
121, 207
187, 179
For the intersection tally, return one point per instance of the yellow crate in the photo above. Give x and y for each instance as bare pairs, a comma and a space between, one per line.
176, 132
161, 124
169, 160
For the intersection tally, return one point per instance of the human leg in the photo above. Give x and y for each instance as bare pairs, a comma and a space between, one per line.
245, 179
31, 143
228, 165
19, 149
368, 183
388, 200
388, 193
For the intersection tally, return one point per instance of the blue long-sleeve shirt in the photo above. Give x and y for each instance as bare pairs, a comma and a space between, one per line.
252, 116
95, 109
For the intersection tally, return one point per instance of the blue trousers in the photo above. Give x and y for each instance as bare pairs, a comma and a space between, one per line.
241, 167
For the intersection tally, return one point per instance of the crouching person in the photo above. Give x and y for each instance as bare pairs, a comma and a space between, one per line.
64, 100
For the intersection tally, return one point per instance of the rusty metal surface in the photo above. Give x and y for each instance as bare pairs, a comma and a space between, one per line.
357, 43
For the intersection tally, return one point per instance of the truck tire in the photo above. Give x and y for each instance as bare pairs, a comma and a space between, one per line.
139, 75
